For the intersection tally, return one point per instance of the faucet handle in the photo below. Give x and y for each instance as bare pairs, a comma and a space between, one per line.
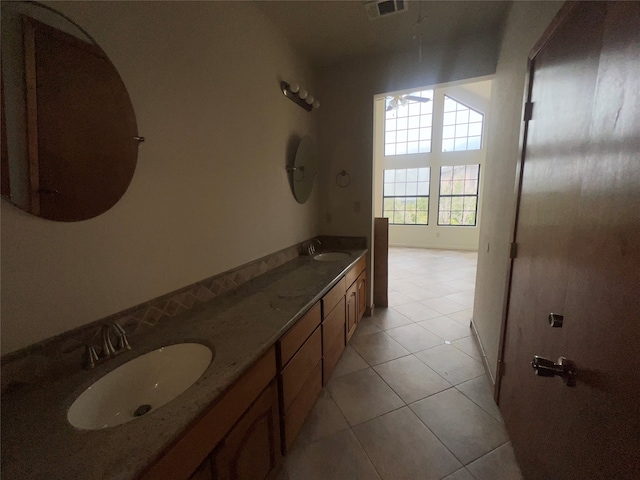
108, 349
123, 342
89, 358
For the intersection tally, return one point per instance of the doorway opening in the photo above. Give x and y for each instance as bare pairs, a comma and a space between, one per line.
429, 150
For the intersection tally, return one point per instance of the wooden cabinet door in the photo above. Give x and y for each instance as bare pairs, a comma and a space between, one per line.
352, 310
361, 295
251, 450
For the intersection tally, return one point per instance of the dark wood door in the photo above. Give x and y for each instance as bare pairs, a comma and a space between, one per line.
578, 252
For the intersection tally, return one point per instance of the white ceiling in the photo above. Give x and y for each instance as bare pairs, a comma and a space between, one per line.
328, 32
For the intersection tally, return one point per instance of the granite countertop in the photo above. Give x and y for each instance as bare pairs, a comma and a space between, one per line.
39, 443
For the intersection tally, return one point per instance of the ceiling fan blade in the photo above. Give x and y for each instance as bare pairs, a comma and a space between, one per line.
413, 98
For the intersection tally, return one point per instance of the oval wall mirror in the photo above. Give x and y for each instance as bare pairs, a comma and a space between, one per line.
69, 132
304, 169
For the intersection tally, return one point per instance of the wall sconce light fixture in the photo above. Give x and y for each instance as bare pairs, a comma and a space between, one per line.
299, 96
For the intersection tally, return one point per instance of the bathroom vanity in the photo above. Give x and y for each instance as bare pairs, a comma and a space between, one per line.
276, 340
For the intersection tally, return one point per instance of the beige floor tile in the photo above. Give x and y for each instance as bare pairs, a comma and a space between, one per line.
442, 274
366, 327
386, 318
396, 298
478, 390
451, 364
349, 362
399, 272
362, 396
463, 317
401, 284
462, 474
414, 337
416, 311
419, 293
325, 419
443, 288
500, 464
402, 448
463, 298
469, 346
378, 348
456, 272
337, 457
467, 430
411, 379
424, 281
446, 328
444, 306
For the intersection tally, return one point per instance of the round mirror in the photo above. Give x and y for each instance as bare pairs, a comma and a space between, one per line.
69, 132
304, 170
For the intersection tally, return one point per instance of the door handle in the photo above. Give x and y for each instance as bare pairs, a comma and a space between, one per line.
548, 368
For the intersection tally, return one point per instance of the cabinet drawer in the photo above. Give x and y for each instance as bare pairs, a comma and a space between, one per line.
355, 271
334, 323
296, 415
332, 353
296, 373
333, 296
298, 334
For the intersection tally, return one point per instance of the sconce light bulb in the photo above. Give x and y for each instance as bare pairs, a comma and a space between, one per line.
303, 94
294, 87
309, 99
316, 104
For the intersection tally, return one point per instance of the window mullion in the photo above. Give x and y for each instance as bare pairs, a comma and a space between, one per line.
438, 111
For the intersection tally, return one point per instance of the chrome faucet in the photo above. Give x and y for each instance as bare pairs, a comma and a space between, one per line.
311, 249
91, 356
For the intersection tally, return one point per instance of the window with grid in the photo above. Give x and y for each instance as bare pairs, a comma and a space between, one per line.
458, 201
406, 196
407, 128
461, 127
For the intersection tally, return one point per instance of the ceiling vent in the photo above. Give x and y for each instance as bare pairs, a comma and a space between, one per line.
384, 8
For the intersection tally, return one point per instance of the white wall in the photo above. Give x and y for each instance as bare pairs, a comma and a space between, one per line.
526, 23
475, 95
210, 191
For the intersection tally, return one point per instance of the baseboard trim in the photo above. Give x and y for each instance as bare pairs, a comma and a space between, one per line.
485, 362
435, 247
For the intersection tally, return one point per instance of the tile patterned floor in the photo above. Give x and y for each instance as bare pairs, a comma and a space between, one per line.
409, 398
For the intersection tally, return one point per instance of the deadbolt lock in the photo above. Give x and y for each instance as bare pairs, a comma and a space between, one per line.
555, 320
564, 369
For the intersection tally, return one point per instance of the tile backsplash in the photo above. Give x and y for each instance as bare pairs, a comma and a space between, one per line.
53, 356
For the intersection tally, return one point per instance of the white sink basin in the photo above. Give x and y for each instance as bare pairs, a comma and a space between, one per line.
139, 386
332, 257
